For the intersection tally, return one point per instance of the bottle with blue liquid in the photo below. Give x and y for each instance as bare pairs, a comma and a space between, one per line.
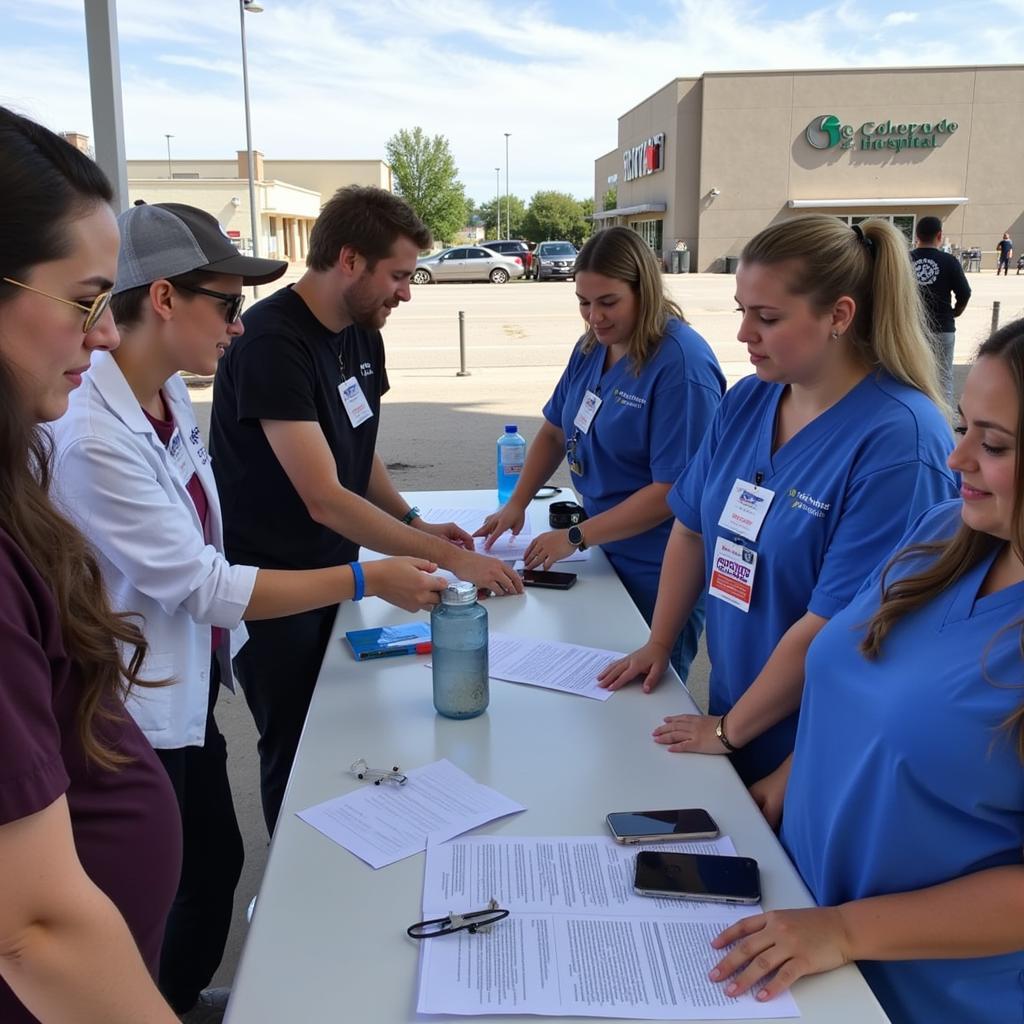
458, 634
511, 456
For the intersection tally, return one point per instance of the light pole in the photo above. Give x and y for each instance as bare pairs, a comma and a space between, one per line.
508, 204
497, 197
253, 8
170, 173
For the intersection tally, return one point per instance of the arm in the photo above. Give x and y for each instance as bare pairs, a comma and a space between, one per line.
543, 457
678, 590
302, 450
769, 793
773, 695
978, 915
65, 951
961, 289
641, 511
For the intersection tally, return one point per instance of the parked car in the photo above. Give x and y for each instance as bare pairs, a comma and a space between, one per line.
467, 263
555, 260
512, 247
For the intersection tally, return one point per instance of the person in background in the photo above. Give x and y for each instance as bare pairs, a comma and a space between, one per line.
296, 404
810, 473
1004, 253
90, 841
945, 293
903, 803
628, 413
132, 471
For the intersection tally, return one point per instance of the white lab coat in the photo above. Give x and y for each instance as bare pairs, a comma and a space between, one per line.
121, 486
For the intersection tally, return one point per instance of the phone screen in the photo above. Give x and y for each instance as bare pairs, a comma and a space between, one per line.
690, 822
552, 580
698, 876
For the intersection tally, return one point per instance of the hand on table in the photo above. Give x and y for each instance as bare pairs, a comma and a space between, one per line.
509, 517
650, 662
447, 531
791, 943
486, 572
548, 548
690, 734
404, 582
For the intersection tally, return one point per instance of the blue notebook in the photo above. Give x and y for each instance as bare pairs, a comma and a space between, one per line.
390, 641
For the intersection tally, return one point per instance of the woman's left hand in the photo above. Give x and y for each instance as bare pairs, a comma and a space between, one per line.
790, 943
450, 532
690, 734
548, 548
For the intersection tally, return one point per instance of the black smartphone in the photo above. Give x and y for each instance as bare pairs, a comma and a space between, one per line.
697, 876
661, 826
551, 580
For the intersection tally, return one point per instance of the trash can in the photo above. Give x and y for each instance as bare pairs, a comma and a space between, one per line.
684, 261
673, 261
732, 264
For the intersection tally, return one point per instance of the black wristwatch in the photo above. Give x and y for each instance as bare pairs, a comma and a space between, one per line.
576, 537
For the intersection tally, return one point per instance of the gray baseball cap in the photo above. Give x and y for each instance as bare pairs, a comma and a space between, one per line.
166, 239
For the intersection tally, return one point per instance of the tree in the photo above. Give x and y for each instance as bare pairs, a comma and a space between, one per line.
587, 209
485, 211
555, 215
611, 199
427, 179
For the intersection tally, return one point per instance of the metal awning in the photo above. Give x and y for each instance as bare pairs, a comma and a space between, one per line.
817, 204
627, 211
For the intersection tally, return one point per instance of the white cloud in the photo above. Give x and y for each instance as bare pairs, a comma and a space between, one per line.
899, 18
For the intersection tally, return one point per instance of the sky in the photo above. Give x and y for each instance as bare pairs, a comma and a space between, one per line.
336, 78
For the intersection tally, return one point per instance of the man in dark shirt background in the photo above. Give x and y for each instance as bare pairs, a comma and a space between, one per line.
1004, 253
941, 278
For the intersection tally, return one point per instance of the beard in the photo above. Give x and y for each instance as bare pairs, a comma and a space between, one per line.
365, 308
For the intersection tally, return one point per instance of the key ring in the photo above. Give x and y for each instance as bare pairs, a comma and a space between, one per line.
362, 771
476, 921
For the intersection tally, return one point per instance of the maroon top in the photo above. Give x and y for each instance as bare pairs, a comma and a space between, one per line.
126, 824
165, 431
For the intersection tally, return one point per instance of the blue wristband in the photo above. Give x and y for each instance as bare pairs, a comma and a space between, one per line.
360, 581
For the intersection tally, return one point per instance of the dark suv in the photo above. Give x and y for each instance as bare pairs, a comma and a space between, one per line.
554, 260
512, 247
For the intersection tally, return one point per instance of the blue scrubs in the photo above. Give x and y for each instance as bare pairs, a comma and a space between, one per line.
846, 488
902, 778
646, 430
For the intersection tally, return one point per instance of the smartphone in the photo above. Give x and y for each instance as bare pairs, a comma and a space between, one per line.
551, 580
697, 876
661, 826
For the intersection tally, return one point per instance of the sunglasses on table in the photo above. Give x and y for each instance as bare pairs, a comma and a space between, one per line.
232, 303
92, 312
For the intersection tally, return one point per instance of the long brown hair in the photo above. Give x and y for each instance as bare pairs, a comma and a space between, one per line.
870, 265
952, 559
620, 253
44, 184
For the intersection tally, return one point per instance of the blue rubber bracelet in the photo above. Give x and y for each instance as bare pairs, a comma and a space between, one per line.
360, 581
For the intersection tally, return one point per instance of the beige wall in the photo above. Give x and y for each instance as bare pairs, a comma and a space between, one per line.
327, 176
605, 167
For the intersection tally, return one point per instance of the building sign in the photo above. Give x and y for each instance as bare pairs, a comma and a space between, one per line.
828, 132
646, 158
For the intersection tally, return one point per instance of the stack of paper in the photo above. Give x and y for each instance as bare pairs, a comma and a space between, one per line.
549, 663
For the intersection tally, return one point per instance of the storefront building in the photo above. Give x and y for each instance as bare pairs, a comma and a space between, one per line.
707, 162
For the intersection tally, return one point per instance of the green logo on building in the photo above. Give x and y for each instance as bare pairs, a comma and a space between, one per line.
824, 132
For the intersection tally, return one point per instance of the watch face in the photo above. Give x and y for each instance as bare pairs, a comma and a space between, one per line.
575, 535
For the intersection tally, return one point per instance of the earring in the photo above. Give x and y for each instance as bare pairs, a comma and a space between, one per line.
835, 335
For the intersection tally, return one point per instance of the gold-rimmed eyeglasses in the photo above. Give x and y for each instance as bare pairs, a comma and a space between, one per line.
92, 312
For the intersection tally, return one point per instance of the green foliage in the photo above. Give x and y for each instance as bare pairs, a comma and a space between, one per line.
557, 215
427, 179
486, 212
610, 199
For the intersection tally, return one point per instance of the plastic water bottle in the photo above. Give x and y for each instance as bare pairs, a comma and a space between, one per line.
511, 456
458, 633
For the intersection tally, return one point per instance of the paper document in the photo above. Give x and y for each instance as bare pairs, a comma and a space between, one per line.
578, 940
512, 549
386, 823
470, 519
548, 663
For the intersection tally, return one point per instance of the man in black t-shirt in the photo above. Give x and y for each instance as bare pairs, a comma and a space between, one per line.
940, 277
1004, 253
296, 405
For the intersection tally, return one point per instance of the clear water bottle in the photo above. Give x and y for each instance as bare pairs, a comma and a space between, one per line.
458, 633
511, 456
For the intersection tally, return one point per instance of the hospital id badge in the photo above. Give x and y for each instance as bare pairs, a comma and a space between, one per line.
587, 411
355, 402
732, 574
745, 509
179, 457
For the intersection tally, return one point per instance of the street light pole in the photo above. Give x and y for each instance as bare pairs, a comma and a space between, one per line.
497, 197
252, 8
508, 204
170, 173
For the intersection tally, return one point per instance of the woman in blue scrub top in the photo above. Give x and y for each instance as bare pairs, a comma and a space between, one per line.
628, 413
810, 473
904, 809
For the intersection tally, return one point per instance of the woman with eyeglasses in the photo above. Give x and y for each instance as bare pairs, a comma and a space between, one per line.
90, 841
133, 471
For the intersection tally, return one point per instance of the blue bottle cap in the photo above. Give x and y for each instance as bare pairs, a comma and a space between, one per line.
511, 428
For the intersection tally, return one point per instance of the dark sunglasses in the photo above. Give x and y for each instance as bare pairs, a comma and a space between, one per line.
232, 303
92, 312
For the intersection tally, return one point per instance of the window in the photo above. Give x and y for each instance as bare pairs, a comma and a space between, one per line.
477, 254
650, 232
903, 222
456, 254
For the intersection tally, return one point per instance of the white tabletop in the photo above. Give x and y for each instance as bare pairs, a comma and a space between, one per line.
328, 943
